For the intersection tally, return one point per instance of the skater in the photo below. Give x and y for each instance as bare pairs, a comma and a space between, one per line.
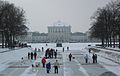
48, 67
35, 55
43, 61
56, 66
89, 50
63, 49
86, 58
55, 54
46, 53
38, 50
33, 68
35, 49
42, 49
70, 56
67, 48
31, 55
95, 58
22, 61
28, 55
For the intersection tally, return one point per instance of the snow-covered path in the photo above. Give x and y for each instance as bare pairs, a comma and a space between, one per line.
71, 68
10, 63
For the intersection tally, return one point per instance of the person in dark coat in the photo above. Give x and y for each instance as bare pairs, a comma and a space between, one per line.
93, 57
70, 57
42, 49
67, 48
28, 55
89, 51
46, 53
63, 49
35, 55
48, 67
55, 54
31, 55
52, 51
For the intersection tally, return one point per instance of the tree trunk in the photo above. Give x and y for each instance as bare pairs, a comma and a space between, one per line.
113, 41
2, 39
110, 41
119, 40
103, 42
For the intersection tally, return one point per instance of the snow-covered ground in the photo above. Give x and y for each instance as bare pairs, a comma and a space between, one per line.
9, 61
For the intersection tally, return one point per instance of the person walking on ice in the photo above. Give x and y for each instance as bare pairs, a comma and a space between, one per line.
48, 67
56, 66
86, 58
43, 61
70, 57
95, 58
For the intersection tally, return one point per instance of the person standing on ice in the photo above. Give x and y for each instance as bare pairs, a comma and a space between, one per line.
35, 55
56, 66
28, 55
70, 57
43, 61
63, 49
95, 58
31, 55
48, 67
42, 49
86, 58
67, 48
55, 54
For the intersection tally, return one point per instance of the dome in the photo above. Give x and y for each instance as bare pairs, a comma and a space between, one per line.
59, 23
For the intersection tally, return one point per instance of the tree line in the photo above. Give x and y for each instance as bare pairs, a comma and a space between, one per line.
106, 24
12, 23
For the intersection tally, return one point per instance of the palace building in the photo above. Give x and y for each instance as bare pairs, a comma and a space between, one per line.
59, 32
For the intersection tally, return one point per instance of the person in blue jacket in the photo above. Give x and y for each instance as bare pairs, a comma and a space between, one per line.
48, 67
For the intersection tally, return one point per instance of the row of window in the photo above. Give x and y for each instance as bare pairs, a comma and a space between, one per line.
59, 30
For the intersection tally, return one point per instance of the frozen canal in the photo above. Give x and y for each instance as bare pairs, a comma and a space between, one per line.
12, 65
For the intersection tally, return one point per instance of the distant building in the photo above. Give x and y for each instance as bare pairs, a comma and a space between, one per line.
59, 32
78, 37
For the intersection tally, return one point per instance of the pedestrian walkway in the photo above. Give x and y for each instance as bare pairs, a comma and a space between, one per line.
16, 68
75, 67
78, 67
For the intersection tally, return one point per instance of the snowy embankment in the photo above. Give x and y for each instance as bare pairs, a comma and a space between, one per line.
109, 54
12, 56
109, 59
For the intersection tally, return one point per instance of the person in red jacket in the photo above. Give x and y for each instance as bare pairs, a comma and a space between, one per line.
43, 61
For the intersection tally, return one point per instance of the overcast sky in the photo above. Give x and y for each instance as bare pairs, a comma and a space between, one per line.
41, 13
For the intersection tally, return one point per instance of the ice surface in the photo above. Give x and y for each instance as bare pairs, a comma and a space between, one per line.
77, 67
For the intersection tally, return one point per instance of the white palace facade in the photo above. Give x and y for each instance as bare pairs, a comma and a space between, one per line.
57, 32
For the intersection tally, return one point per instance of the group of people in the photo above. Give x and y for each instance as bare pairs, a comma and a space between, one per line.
94, 58
50, 53
56, 65
32, 55
63, 49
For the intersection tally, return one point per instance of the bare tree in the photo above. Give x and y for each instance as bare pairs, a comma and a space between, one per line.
12, 22
107, 24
